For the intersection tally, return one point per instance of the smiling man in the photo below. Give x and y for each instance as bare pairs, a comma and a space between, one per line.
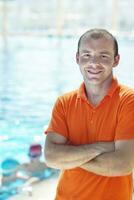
91, 133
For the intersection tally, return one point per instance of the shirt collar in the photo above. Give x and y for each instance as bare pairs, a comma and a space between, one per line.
82, 90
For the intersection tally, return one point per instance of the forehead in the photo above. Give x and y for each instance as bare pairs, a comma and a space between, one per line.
98, 44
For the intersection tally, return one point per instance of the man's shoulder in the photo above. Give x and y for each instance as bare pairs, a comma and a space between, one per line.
126, 91
67, 100
126, 95
72, 95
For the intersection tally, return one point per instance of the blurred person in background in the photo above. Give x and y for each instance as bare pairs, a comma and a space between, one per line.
35, 170
31, 172
9, 171
91, 133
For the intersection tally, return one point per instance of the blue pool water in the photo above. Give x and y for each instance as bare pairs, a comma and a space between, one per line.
33, 72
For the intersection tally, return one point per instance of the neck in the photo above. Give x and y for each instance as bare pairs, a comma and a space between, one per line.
35, 160
95, 93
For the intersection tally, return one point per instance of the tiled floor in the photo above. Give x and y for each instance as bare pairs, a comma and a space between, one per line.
44, 190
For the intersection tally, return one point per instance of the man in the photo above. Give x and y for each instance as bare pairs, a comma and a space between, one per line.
91, 133
27, 173
9, 171
35, 170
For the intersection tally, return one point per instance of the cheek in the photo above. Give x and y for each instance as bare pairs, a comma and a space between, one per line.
83, 61
82, 68
107, 62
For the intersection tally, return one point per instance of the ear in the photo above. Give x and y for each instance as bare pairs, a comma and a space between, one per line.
116, 60
77, 58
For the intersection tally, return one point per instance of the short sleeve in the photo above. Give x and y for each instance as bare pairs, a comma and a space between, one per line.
125, 124
58, 120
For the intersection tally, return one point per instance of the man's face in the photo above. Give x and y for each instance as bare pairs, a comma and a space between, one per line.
96, 59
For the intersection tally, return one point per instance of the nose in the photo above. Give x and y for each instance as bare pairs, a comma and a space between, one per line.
94, 61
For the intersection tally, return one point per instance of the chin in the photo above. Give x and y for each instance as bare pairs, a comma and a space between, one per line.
94, 81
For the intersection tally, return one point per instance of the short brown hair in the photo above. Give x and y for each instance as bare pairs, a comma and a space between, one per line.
99, 33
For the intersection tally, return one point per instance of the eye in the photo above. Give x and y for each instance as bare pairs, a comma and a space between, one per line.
86, 55
104, 56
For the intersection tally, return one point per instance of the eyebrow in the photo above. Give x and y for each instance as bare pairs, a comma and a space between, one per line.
101, 52
85, 51
105, 52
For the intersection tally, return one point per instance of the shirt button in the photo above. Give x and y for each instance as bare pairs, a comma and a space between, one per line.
91, 121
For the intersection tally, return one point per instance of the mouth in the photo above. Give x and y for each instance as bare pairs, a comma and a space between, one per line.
94, 72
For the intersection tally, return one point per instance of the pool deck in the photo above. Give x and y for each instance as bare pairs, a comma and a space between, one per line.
44, 190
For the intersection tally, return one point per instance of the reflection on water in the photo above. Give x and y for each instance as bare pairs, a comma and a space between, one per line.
33, 72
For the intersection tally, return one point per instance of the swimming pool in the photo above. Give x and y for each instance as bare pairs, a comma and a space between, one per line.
33, 72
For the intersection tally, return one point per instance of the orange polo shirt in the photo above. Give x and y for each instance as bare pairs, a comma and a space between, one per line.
81, 123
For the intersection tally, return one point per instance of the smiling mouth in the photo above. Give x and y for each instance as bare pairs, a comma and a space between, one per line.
91, 72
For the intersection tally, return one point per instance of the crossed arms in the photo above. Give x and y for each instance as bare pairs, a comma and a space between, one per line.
102, 158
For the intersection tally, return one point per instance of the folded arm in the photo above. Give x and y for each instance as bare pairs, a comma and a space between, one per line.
116, 163
61, 155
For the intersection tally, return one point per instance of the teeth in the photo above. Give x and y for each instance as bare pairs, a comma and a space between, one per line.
94, 72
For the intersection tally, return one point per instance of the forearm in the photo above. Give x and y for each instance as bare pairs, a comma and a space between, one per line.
109, 164
69, 156
66, 164
9, 179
